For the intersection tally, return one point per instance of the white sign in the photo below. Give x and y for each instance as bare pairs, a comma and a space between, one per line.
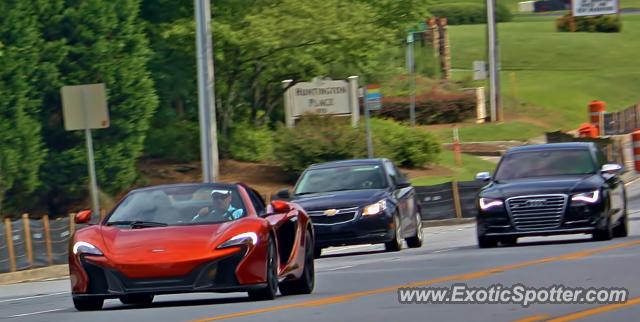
320, 97
85, 106
594, 7
479, 70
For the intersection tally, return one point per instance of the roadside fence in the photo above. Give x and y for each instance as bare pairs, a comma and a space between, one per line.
449, 200
27, 243
622, 122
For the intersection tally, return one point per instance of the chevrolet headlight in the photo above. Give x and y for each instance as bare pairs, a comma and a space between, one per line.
375, 209
586, 197
488, 203
86, 248
249, 238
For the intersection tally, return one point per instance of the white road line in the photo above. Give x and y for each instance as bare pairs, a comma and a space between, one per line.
34, 313
340, 249
632, 181
32, 297
337, 268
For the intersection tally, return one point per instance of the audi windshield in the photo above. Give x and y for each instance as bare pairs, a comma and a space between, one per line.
545, 163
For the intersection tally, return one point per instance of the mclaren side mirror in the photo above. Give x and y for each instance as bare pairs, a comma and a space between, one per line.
83, 217
611, 168
483, 176
283, 194
278, 207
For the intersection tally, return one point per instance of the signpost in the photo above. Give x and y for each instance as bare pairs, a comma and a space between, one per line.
84, 107
372, 102
594, 7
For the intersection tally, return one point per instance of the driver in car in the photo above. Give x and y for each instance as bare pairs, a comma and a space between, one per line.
222, 210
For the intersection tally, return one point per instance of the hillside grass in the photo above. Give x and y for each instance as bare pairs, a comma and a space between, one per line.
471, 165
513, 4
550, 76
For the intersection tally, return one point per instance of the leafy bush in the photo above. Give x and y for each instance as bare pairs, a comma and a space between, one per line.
317, 139
610, 23
179, 141
431, 108
469, 13
406, 146
248, 143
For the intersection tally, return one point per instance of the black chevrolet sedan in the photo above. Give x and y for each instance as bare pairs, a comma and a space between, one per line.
549, 189
359, 202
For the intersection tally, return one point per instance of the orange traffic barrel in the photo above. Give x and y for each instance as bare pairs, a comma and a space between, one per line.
588, 130
596, 108
635, 138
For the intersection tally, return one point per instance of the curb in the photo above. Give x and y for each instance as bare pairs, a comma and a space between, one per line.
447, 222
36, 274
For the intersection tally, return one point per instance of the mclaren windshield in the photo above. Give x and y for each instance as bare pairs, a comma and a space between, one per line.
166, 206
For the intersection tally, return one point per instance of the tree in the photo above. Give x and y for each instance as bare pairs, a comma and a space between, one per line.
21, 148
94, 41
259, 43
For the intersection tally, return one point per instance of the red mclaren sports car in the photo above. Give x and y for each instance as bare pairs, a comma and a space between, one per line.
191, 238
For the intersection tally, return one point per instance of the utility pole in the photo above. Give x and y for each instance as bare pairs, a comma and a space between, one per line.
206, 94
494, 59
411, 61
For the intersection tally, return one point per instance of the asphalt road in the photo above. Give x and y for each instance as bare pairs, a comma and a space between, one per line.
360, 283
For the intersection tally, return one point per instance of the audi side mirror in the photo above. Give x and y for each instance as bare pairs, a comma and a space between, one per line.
611, 168
483, 176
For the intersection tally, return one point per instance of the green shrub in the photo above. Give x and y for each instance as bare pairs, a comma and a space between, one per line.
431, 108
469, 13
406, 146
317, 139
249, 143
178, 141
609, 23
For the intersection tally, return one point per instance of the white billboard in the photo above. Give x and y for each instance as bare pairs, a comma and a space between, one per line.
320, 97
594, 7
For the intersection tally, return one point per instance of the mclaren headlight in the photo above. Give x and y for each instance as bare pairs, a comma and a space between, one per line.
86, 248
586, 197
489, 203
249, 238
375, 209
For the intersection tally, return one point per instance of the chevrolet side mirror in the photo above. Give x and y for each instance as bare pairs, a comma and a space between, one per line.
283, 194
483, 176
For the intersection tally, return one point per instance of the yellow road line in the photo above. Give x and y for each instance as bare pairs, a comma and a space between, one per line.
595, 311
534, 318
450, 278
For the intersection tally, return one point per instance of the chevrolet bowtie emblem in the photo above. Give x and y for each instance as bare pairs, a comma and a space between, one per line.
330, 212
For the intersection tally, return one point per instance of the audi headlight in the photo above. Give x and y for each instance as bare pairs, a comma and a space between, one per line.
375, 209
86, 248
249, 238
586, 197
488, 203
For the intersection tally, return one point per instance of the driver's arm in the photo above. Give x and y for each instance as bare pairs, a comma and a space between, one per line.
202, 212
